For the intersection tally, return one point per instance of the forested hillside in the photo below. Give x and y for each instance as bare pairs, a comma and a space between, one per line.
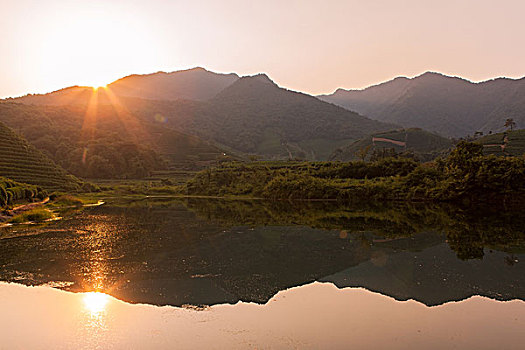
104, 141
252, 115
450, 106
73, 95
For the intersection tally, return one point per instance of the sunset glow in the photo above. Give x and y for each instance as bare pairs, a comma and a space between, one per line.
303, 45
262, 174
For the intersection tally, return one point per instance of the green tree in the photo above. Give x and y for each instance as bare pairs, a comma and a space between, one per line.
99, 167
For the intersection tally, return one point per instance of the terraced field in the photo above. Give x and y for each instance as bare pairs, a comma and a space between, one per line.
11, 191
514, 145
21, 162
424, 144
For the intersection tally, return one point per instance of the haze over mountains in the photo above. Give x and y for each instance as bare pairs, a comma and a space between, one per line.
251, 114
450, 106
193, 84
255, 115
196, 84
197, 115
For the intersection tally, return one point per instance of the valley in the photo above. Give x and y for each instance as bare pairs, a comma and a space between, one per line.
262, 175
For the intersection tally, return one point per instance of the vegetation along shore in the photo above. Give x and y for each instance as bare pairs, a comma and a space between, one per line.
465, 175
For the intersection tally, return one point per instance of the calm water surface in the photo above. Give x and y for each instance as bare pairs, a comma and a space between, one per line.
206, 252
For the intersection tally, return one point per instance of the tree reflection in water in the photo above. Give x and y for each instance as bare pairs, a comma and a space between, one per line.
204, 252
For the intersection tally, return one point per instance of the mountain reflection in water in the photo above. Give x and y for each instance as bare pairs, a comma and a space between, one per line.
313, 316
206, 252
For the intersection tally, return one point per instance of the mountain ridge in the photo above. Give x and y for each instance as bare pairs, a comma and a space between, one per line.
251, 115
194, 84
403, 77
197, 84
450, 106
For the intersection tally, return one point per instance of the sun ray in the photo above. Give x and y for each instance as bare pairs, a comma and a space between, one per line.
133, 126
90, 118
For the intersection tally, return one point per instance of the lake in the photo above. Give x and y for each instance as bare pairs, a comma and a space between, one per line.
329, 275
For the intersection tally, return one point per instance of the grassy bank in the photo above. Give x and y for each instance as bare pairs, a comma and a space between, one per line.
53, 207
35, 215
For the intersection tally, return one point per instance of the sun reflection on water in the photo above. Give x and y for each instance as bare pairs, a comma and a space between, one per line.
95, 302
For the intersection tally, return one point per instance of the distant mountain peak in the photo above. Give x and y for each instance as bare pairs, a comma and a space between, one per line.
431, 74
261, 77
196, 83
174, 73
444, 104
250, 85
431, 77
343, 91
198, 69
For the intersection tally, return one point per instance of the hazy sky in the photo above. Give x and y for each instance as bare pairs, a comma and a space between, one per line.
310, 46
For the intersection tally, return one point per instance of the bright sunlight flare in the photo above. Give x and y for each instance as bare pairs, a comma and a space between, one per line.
95, 302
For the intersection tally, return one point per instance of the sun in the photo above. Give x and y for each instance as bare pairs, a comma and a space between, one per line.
98, 87
95, 45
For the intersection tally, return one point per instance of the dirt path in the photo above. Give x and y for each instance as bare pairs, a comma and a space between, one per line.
383, 139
